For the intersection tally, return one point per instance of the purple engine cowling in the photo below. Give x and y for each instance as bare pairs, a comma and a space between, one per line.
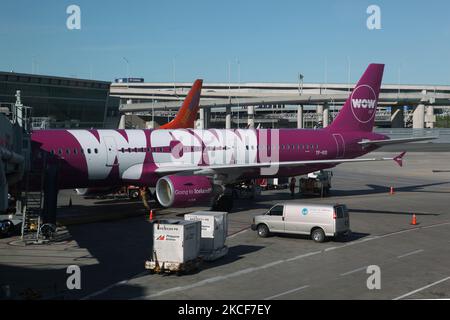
183, 191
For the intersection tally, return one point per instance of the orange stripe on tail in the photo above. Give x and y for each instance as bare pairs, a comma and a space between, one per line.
187, 114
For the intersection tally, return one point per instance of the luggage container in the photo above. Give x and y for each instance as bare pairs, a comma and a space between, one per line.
214, 233
176, 246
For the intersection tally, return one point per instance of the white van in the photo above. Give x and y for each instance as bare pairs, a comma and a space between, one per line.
317, 220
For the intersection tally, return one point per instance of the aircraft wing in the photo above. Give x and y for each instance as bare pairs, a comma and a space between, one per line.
224, 169
380, 143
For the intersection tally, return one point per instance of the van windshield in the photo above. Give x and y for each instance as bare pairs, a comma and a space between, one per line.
276, 211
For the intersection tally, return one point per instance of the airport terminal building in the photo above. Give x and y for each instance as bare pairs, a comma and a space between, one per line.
59, 102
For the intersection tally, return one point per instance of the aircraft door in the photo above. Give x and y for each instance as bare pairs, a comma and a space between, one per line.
340, 145
111, 151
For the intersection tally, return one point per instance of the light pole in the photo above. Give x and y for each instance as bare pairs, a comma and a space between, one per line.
153, 113
239, 87
300, 83
173, 75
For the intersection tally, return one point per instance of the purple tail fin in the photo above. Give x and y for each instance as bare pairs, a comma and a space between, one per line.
358, 113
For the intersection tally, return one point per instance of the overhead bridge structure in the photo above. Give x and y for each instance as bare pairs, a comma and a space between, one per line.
249, 103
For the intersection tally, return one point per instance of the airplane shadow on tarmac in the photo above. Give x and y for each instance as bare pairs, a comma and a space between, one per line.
373, 189
379, 189
368, 211
113, 253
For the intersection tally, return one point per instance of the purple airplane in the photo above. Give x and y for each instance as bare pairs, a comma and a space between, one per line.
188, 166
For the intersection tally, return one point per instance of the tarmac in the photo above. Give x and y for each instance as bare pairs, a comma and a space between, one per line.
110, 239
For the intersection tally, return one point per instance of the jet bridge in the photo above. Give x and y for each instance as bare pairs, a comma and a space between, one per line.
14, 161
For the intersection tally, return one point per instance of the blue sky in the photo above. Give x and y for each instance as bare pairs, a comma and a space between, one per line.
272, 40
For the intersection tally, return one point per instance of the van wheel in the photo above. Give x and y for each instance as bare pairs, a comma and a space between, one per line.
318, 235
263, 231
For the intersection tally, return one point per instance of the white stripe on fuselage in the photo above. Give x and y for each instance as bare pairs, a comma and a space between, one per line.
222, 147
97, 163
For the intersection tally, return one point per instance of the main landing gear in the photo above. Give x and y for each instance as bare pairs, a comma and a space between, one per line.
223, 199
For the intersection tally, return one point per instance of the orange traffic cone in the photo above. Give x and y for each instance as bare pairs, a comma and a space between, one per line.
392, 191
414, 220
151, 215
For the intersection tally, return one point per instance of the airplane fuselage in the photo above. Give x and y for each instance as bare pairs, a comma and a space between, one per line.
105, 158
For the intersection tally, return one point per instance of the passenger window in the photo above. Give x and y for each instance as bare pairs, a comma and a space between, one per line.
89, 150
52, 152
75, 151
96, 150
276, 211
67, 151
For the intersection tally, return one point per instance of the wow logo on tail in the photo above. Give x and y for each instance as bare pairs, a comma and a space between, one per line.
358, 112
364, 103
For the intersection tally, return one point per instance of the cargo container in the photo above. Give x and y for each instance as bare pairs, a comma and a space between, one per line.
214, 233
176, 246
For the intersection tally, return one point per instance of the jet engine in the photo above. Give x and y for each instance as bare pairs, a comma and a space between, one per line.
183, 191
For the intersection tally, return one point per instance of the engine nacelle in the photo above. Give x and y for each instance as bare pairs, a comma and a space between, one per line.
183, 191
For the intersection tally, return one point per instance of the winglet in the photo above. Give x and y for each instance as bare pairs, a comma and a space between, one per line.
399, 158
